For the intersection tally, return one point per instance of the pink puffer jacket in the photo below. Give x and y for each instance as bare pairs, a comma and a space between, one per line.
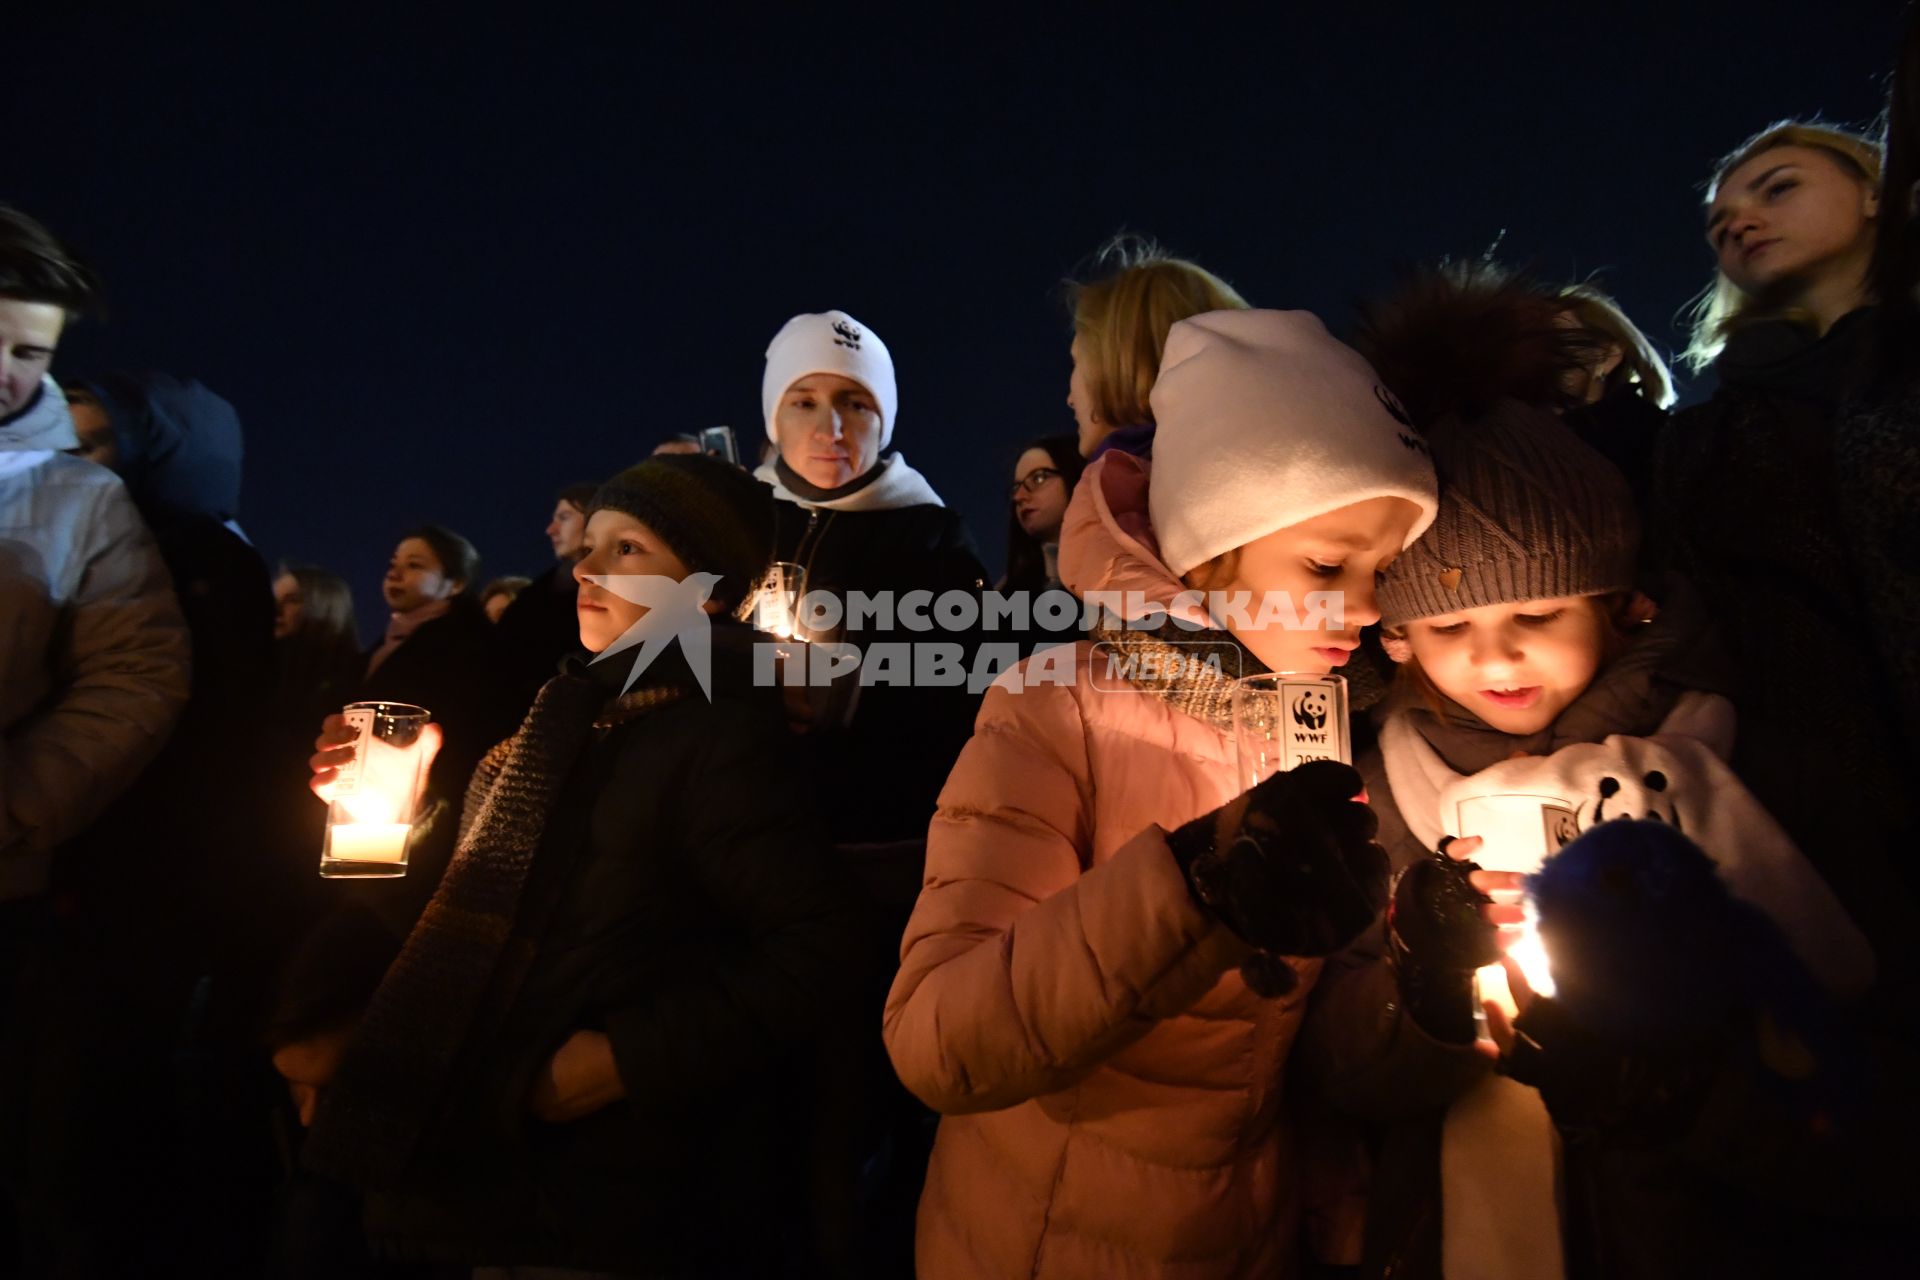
1111, 1088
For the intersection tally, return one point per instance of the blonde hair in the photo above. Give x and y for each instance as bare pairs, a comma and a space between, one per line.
1595, 312
1722, 307
1122, 318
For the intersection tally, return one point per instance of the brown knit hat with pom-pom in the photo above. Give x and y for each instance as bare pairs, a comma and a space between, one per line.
1528, 510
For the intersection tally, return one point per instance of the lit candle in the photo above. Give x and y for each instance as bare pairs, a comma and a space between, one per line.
1528, 951
368, 841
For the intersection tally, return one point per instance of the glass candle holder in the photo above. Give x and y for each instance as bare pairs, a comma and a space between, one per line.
371, 818
776, 606
1518, 832
1283, 719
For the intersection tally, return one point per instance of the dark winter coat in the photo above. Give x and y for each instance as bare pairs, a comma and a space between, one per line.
179, 450
902, 741
683, 901
538, 630
1623, 429
1779, 527
208, 794
450, 666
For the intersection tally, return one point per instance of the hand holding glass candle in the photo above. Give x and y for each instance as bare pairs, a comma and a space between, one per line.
1283, 719
1517, 833
371, 815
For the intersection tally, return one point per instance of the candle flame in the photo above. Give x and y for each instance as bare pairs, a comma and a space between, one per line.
370, 805
1529, 951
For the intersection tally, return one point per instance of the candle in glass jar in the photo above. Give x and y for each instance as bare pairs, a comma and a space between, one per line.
368, 841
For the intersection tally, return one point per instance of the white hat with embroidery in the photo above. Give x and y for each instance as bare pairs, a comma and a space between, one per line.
829, 342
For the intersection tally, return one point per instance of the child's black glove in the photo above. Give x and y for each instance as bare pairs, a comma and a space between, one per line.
1299, 876
1439, 936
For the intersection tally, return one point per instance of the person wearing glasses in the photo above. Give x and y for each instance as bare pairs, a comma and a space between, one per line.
1043, 480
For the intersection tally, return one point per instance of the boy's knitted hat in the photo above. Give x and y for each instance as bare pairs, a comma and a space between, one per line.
714, 516
1266, 421
1528, 511
830, 342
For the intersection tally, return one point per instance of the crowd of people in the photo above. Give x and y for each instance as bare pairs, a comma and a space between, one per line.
694, 975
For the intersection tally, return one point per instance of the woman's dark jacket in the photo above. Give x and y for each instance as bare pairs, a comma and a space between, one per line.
683, 900
902, 742
539, 629
1761, 502
450, 666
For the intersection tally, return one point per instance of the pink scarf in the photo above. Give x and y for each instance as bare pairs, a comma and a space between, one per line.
403, 625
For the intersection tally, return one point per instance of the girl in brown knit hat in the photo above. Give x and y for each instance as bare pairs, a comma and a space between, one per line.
1542, 695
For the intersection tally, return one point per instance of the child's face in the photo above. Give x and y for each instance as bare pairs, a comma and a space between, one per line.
1516, 666
616, 543
1342, 552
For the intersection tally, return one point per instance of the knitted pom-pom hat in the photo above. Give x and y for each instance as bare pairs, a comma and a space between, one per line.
1528, 511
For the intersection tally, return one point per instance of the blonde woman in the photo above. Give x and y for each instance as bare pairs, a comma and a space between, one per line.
1749, 505
1120, 323
1618, 397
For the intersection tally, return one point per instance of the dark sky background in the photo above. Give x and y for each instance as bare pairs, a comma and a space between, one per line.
445, 265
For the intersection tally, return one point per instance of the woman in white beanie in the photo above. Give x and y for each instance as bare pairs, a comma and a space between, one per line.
1116, 954
856, 517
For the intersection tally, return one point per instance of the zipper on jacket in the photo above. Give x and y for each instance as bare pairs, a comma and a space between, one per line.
816, 533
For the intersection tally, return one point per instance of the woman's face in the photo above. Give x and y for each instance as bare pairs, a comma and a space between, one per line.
1790, 218
564, 531
1342, 552
1516, 666
1587, 383
1080, 399
828, 428
415, 577
1039, 496
618, 544
289, 606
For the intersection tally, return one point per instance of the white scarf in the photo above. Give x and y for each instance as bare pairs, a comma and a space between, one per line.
897, 485
1499, 1207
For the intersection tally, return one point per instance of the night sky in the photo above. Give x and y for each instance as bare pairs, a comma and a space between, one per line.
445, 266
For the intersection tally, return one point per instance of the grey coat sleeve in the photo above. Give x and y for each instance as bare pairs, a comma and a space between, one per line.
120, 673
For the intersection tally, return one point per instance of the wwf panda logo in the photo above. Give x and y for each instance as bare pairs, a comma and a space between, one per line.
1310, 709
846, 335
1563, 827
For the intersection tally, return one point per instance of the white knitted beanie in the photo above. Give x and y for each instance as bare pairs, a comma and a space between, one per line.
829, 342
1266, 421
